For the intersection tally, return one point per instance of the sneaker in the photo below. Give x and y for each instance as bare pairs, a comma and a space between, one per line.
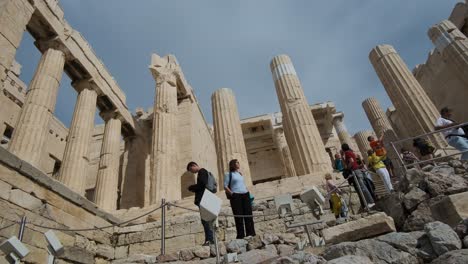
207, 243
371, 205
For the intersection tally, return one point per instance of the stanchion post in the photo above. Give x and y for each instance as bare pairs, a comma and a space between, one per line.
163, 226
214, 226
22, 226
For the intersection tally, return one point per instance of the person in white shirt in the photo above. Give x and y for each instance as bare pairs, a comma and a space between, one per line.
455, 137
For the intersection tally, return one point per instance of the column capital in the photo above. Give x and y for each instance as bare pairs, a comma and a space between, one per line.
106, 115
338, 117
82, 84
53, 43
444, 33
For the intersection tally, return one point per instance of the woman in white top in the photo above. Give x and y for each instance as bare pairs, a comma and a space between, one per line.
240, 200
455, 137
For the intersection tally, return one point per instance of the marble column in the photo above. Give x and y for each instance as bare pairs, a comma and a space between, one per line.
406, 93
14, 16
284, 152
376, 115
229, 140
33, 123
164, 182
363, 143
341, 129
303, 137
452, 44
75, 158
106, 193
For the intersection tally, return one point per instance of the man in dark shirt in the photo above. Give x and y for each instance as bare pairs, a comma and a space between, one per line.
199, 189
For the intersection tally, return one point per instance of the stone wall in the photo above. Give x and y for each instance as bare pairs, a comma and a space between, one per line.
26, 191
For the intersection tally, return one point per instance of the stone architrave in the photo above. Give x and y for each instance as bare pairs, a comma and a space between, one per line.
405, 92
362, 142
452, 44
108, 172
164, 183
285, 153
32, 127
303, 137
14, 16
75, 158
229, 140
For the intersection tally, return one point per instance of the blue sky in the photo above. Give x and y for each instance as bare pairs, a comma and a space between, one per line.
230, 44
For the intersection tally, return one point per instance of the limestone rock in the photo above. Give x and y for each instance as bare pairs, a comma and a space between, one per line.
186, 254
421, 216
416, 243
237, 246
285, 250
453, 257
289, 238
443, 182
254, 243
221, 248
271, 248
285, 260
366, 227
377, 251
257, 256
414, 197
442, 237
270, 239
392, 205
452, 209
167, 257
202, 251
411, 178
351, 260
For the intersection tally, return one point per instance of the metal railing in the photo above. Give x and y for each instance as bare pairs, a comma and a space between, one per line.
405, 166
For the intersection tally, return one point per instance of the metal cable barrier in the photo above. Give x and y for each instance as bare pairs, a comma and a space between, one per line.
83, 229
426, 161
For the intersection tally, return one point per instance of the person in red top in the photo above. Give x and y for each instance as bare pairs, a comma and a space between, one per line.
352, 167
377, 146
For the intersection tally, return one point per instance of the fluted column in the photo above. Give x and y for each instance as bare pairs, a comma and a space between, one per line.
164, 182
363, 143
341, 129
31, 129
405, 92
229, 139
300, 129
376, 115
108, 171
75, 158
284, 152
452, 44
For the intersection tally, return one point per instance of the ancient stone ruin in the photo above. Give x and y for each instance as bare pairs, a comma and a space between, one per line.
113, 193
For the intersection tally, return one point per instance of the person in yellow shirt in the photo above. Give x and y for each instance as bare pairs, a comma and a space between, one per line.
376, 162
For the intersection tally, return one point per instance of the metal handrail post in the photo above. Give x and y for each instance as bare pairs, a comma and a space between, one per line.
22, 226
399, 156
163, 226
214, 226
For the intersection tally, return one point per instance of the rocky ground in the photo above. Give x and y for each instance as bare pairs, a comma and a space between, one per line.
421, 223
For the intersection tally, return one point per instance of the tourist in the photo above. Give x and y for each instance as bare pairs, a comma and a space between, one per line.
378, 165
425, 149
409, 158
199, 189
352, 168
378, 146
337, 203
236, 190
338, 163
455, 137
